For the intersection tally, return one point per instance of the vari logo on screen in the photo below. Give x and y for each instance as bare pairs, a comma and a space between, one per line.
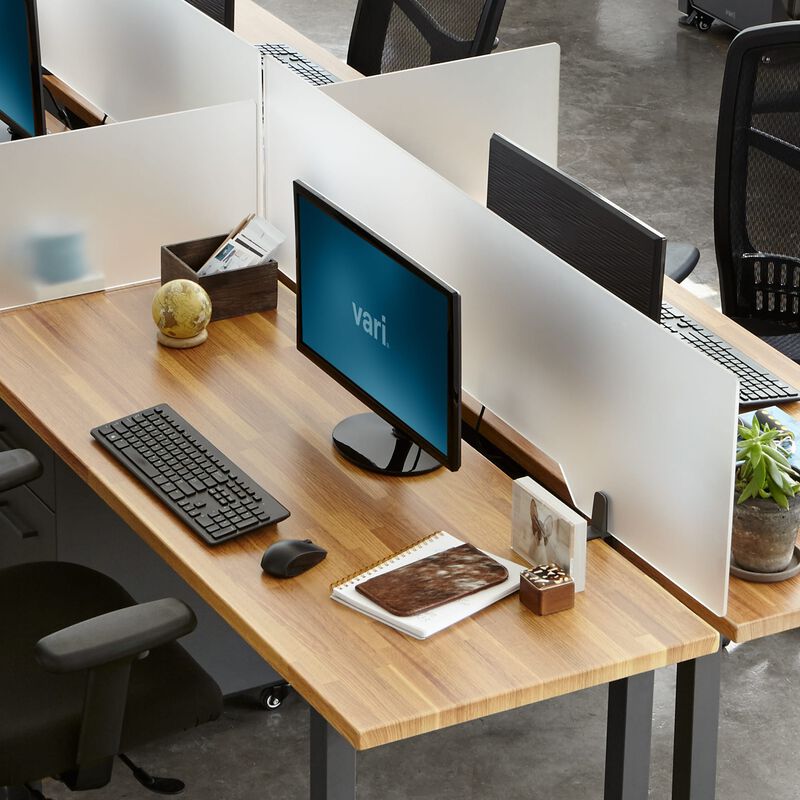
372, 325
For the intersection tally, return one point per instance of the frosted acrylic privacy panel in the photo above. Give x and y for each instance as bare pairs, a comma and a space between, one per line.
102, 201
445, 114
619, 403
139, 58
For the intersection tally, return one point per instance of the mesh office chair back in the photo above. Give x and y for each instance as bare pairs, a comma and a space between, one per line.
757, 182
390, 35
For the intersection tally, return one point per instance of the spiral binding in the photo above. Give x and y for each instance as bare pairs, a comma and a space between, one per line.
372, 568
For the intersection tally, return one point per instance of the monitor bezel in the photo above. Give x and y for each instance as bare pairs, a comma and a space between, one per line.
35, 66
452, 458
498, 143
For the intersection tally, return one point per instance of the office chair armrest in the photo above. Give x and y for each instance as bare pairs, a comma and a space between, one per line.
18, 467
119, 635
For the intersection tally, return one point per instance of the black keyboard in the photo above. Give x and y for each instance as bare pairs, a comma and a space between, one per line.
186, 472
757, 386
305, 68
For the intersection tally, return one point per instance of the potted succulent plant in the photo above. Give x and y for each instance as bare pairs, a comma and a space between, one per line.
766, 517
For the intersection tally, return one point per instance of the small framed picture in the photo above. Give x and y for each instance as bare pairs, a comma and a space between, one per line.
546, 531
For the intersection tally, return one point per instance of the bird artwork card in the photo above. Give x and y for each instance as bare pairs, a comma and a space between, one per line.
545, 530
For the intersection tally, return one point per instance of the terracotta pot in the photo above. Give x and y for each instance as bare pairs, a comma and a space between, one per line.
764, 534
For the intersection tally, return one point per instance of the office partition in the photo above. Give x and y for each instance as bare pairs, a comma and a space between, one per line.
598, 386
140, 58
113, 195
444, 114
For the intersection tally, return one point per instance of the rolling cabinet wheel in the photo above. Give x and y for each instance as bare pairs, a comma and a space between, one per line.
272, 697
703, 22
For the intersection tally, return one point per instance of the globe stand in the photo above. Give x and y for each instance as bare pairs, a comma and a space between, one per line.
182, 344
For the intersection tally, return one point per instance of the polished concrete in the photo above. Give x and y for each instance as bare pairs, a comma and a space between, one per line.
551, 751
638, 121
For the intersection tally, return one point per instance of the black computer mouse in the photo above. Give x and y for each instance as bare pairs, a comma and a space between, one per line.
290, 557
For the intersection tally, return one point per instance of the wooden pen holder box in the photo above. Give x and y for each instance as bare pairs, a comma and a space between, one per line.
240, 291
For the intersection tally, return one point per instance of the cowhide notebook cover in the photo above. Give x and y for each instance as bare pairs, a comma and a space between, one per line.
434, 581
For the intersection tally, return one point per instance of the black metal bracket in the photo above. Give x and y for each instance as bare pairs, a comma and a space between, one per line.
598, 524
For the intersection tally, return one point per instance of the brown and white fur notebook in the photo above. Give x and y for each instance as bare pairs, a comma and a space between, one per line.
423, 602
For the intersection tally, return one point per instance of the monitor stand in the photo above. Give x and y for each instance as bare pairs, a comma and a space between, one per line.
373, 444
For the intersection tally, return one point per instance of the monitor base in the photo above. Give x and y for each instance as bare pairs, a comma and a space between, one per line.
373, 444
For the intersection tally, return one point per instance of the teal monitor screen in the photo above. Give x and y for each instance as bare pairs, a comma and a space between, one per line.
20, 70
383, 326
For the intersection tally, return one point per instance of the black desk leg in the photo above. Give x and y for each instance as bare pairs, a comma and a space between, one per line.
630, 724
694, 761
333, 762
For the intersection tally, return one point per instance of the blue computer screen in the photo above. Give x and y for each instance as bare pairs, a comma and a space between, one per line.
16, 86
376, 321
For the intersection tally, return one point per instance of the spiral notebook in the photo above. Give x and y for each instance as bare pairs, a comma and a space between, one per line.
423, 625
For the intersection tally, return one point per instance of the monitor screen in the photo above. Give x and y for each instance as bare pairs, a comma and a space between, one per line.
383, 326
20, 70
598, 238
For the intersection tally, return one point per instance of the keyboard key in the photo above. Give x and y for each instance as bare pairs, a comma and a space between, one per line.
185, 487
133, 456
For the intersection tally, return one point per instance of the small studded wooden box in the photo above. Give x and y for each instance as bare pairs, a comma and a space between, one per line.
240, 291
546, 589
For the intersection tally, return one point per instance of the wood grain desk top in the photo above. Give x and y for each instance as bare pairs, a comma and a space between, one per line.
754, 609
69, 365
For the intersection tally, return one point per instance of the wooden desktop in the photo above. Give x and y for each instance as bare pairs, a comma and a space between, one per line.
69, 365
754, 609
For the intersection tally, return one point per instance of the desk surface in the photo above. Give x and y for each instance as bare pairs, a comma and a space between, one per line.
754, 609
69, 365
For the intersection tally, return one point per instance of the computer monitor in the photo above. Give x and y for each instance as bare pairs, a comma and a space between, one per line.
21, 104
598, 238
388, 331
220, 10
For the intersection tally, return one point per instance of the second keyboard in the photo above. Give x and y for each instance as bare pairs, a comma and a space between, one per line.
758, 386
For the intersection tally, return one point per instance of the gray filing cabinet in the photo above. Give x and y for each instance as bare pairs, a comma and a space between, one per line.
27, 514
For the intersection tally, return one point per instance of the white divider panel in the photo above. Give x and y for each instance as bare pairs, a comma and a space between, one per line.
139, 58
445, 114
120, 192
618, 402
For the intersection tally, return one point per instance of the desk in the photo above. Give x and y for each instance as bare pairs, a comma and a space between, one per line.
754, 609
68, 365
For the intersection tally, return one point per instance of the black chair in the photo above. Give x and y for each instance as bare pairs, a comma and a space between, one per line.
680, 260
86, 673
757, 185
390, 35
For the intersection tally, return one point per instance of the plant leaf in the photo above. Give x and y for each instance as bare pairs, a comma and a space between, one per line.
775, 453
779, 497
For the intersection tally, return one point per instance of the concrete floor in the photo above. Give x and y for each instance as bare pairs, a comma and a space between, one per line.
638, 120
